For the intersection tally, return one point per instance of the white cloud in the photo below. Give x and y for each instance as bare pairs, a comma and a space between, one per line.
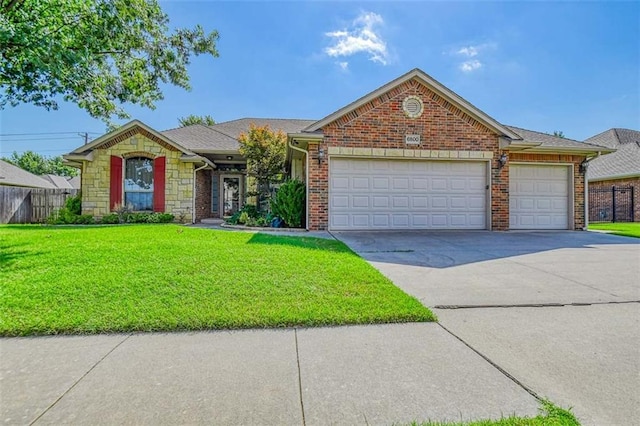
469, 51
469, 66
361, 37
344, 66
472, 55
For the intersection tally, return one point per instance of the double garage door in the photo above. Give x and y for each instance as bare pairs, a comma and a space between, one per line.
406, 194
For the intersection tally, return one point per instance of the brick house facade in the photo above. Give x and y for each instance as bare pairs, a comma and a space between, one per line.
375, 128
460, 168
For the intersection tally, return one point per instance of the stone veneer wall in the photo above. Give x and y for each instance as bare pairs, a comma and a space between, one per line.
96, 176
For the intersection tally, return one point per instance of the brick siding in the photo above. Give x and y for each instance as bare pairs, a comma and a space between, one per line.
634, 182
381, 123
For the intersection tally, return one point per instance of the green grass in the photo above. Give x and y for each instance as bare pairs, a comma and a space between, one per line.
625, 229
550, 415
95, 279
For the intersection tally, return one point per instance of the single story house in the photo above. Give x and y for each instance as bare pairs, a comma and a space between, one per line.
412, 154
620, 169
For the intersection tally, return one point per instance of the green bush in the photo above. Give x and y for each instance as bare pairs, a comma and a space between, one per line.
74, 205
234, 219
84, 219
244, 218
164, 217
110, 219
70, 214
251, 210
288, 203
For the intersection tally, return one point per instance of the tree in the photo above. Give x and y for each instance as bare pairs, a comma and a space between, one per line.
265, 152
99, 54
205, 120
558, 134
41, 165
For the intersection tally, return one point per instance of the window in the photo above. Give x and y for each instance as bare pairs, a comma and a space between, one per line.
138, 183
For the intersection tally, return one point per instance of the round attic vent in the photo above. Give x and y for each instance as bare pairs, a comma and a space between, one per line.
412, 106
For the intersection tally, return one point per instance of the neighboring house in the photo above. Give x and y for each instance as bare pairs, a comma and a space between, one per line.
62, 182
620, 169
409, 155
11, 175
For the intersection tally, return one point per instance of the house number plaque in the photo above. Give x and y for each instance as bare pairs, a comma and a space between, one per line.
412, 139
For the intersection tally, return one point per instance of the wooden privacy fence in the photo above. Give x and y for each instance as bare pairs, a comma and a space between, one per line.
31, 205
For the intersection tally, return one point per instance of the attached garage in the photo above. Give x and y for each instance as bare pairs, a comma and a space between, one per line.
407, 194
539, 196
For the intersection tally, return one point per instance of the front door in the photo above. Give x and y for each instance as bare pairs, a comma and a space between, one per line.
231, 191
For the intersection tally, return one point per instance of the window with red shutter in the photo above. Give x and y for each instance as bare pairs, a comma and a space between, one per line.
115, 187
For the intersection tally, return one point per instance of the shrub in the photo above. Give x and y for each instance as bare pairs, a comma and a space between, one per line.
164, 217
74, 205
84, 219
244, 218
288, 203
234, 219
110, 219
251, 210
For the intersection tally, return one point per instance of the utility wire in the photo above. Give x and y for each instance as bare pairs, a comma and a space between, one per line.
36, 139
45, 133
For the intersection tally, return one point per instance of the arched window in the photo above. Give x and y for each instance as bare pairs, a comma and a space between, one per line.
138, 183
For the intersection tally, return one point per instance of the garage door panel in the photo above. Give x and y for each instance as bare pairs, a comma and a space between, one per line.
538, 196
381, 183
358, 183
439, 184
405, 194
439, 202
421, 202
400, 183
360, 201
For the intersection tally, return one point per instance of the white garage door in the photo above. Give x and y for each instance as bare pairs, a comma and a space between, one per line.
538, 197
405, 194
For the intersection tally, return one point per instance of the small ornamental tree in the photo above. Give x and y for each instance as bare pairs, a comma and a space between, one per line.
265, 152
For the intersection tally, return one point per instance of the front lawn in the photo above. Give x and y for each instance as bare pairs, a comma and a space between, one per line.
625, 229
167, 277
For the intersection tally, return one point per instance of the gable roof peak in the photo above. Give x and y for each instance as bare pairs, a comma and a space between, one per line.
432, 84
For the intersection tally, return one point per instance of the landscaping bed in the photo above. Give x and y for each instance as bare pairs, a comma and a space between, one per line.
91, 279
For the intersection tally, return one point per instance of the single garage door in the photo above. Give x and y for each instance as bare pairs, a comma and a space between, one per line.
538, 197
407, 194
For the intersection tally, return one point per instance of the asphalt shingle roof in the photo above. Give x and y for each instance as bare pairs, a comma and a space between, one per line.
224, 136
549, 140
11, 175
624, 162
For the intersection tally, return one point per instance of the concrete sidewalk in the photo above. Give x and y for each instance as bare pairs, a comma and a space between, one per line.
378, 374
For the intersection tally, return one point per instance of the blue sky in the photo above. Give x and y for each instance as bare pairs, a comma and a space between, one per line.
545, 66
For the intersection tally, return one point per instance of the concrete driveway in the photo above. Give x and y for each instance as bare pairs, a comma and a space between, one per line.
559, 311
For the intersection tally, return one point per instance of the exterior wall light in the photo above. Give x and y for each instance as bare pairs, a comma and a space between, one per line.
320, 155
229, 157
502, 161
584, 166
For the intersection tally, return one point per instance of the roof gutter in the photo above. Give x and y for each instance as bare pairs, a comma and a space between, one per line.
306, 180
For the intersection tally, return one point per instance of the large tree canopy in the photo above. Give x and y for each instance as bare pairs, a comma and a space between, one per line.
99, 54
41, 165
189, 120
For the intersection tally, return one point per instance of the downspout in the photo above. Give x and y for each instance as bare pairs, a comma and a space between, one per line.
586, 193
193, 193
306, 180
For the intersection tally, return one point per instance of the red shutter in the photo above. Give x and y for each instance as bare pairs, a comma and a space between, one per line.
159, 167
115, 187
